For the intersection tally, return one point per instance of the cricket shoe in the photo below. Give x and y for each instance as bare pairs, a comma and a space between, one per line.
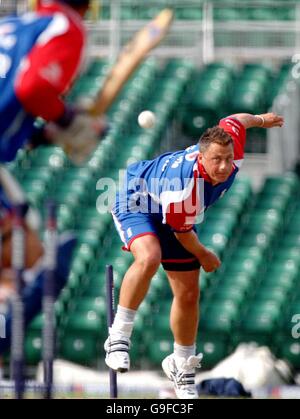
182, 372
117, 352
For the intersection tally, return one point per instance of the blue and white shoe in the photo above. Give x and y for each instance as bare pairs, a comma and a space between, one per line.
181, 372
117, 352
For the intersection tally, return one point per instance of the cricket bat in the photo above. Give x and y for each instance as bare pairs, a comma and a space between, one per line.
130, 58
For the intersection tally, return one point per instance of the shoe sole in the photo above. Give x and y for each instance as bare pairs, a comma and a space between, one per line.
122, 370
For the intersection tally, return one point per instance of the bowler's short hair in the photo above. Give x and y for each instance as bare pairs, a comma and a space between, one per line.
214, 135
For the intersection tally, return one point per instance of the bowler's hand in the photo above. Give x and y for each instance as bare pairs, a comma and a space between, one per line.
271, 120
209, 261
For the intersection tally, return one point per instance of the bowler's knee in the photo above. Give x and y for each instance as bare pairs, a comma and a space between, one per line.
189, 298
148, 262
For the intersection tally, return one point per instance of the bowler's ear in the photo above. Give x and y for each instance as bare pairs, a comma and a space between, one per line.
200, 157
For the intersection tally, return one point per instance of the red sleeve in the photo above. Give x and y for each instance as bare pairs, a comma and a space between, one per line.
237, 131
48, 73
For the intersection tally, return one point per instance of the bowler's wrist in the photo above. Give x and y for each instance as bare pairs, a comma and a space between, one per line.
260, 121
202, 252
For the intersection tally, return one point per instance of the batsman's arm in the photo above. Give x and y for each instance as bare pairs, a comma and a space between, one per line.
266, 120
209, 261
39, 91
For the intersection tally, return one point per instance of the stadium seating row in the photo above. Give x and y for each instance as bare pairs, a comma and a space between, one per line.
223, 11
220, 89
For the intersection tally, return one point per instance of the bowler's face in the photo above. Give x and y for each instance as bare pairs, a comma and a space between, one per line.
217, 161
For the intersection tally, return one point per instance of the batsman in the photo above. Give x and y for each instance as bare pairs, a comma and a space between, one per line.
40, 56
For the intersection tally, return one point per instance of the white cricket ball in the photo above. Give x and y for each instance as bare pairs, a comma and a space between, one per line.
146, 119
